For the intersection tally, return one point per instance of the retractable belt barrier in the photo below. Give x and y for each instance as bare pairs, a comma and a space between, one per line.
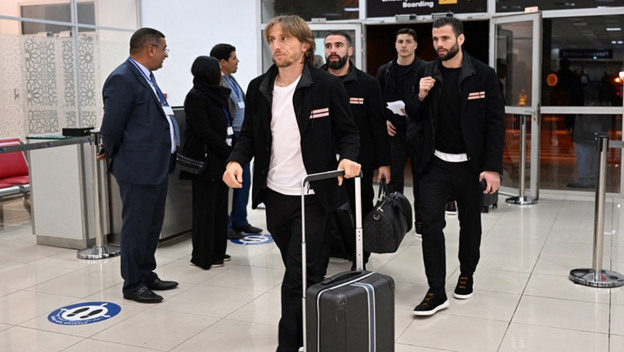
522, 199
597, 276
102, 249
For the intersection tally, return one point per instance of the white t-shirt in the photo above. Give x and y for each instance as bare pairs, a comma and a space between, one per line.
286, 169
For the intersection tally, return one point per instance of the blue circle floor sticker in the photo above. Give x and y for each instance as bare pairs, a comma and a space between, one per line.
84, 313
255, 239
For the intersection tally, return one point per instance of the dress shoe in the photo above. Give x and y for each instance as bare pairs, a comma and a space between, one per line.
247, 229
233, 235
227, 258
160, 285
143, 295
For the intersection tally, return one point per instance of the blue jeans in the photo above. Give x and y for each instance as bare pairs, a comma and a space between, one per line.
238, 217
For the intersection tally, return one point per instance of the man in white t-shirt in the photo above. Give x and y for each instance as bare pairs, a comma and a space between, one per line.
297, 118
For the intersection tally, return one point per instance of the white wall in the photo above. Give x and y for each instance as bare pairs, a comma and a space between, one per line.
193, 27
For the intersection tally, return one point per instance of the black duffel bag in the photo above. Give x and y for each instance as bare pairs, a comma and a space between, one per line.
386, 225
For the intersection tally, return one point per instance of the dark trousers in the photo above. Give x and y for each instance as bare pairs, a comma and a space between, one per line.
284, 223
142, 214
400, 152
209, 222
439, 182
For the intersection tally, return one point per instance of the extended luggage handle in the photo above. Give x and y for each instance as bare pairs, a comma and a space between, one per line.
359, 259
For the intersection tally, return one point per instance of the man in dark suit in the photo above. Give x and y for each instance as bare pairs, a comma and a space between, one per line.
296, 118
140, 137
460, 105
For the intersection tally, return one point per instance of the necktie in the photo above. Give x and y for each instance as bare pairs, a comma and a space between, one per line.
161, 96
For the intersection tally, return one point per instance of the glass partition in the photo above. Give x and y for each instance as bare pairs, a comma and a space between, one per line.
569, 156
111, 13
583, 58
50, 79
99, 54
327, 9
520, 5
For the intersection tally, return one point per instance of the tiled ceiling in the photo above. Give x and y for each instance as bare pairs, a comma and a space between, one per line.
577, 32
588, 32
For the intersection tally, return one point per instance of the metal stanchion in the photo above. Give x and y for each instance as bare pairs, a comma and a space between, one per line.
101, 250
597, 277
521, 199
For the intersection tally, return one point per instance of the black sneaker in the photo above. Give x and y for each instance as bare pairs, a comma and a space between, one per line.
227, 258
433, 302
451, 209
463, 290
418, 229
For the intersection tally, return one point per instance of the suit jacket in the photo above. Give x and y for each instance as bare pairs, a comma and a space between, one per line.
325, 124
135, 130
205, 129
482, 114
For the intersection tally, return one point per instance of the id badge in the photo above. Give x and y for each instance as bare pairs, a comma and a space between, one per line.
168, 110
230, 131
241, 105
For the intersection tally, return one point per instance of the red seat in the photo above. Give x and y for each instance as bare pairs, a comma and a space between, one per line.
5, 185
13, 166
17, 180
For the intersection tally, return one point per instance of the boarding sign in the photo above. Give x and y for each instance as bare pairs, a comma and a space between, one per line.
388, 8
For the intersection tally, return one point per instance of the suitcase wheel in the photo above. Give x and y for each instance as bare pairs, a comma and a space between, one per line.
485, 209
495, 205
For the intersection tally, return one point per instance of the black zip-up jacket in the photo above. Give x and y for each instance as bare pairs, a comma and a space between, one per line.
367, 106
321, 136
386, 76
482, 114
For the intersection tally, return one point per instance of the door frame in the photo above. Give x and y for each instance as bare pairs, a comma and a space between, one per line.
532, 111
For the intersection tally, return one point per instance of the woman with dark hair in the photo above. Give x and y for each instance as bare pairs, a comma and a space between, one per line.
207, 135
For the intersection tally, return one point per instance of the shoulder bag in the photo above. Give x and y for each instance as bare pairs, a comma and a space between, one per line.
386, 225
192, 166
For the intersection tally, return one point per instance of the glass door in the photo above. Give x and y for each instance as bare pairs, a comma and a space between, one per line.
515, 53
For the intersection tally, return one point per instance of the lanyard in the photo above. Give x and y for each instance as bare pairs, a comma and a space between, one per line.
234, 86
227, 116
159, 94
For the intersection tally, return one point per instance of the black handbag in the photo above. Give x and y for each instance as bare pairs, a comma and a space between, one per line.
192, 166
386, 225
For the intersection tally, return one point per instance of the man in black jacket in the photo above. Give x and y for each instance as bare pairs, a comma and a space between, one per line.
397, 80
461, 108
367, 106
296, 119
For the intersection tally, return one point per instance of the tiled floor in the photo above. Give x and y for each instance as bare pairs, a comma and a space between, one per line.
523, 299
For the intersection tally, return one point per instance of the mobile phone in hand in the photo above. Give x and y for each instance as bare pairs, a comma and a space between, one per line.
483, 184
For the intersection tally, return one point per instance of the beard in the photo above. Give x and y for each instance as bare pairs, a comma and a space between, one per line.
336, 65
452, 51
284, 63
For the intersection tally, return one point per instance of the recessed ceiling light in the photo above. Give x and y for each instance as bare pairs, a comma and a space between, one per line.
620, 42
613, 42
614, 29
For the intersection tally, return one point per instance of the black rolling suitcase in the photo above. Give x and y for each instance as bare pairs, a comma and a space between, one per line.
352, 311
